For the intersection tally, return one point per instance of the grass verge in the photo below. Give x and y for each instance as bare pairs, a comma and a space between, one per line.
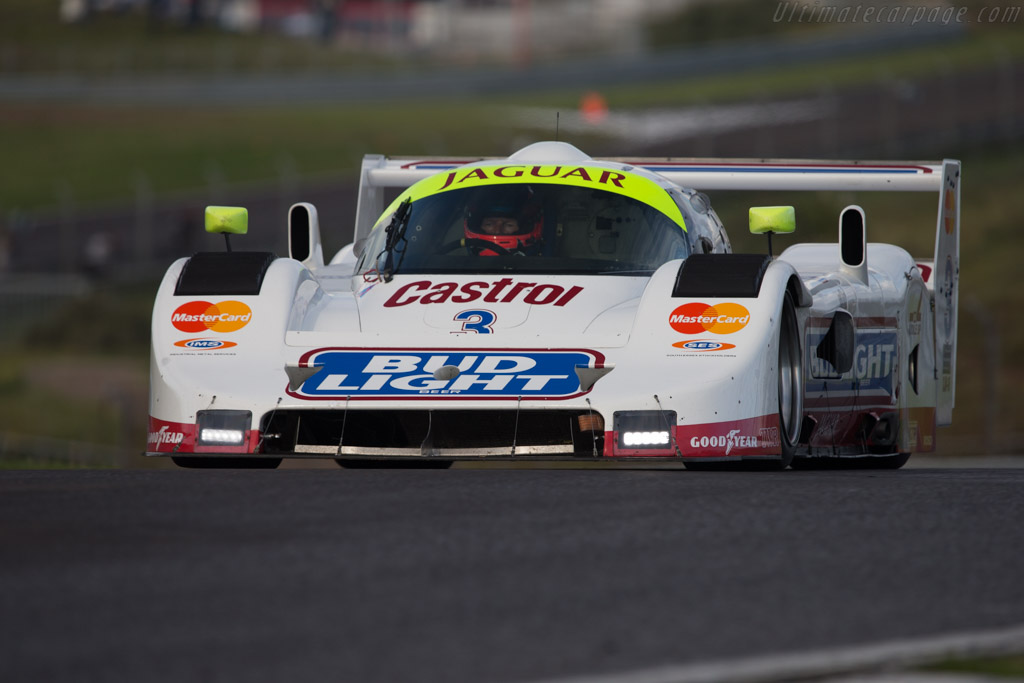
1011, 667
71, 398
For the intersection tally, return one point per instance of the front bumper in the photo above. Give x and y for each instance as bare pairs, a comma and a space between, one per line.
564, 434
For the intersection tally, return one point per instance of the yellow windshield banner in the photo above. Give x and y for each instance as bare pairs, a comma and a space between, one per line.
620, 182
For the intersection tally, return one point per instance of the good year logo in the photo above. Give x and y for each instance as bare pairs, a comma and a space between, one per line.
203, 316
164, 436
767, 438
698, 318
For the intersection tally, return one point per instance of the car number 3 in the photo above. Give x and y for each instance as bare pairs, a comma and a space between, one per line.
479, 321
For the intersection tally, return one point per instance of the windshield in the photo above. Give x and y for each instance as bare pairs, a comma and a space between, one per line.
527, 228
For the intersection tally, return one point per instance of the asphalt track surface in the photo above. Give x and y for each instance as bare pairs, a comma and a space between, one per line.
488, 575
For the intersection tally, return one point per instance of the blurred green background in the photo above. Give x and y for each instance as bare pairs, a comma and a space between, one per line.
120, 120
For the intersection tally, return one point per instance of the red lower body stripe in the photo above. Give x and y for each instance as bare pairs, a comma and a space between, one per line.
731, 439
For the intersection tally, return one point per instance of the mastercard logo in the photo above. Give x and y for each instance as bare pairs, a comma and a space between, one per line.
695, 318
202, 316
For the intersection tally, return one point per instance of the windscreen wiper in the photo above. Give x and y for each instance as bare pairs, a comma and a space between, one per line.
395, 241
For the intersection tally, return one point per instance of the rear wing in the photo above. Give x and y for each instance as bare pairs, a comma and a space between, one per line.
943, 178
379, 172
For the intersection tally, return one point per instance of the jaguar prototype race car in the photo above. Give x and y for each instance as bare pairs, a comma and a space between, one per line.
550, 305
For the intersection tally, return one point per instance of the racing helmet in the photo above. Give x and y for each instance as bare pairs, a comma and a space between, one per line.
519, 233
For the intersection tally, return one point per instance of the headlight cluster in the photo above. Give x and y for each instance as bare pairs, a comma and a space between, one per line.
634, 439
648, 430
223, 427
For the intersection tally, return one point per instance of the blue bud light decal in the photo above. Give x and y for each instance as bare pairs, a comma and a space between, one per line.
874, 365
484, 373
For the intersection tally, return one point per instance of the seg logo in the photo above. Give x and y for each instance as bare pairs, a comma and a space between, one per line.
697, 318
203, 316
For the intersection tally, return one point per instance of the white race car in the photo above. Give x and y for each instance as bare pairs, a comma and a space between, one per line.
553, 306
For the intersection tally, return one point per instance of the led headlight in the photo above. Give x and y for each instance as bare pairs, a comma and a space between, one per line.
634, 439
644, 429
223, 427
227, 437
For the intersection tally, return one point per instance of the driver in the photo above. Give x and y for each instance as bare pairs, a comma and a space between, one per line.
499, 225
507, 225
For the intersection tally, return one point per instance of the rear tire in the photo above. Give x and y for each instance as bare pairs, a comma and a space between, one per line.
393, 464
200, 463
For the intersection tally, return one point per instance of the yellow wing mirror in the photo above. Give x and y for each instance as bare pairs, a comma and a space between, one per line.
227, 220
772, 220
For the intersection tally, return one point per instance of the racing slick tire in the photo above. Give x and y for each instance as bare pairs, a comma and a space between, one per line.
358, 464
191, 462
791, 383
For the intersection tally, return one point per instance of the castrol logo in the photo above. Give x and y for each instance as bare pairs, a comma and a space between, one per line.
203, 316
697, 318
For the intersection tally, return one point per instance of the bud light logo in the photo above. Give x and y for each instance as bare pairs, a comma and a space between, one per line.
477, 374
204, 344
704, 345
873, 370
